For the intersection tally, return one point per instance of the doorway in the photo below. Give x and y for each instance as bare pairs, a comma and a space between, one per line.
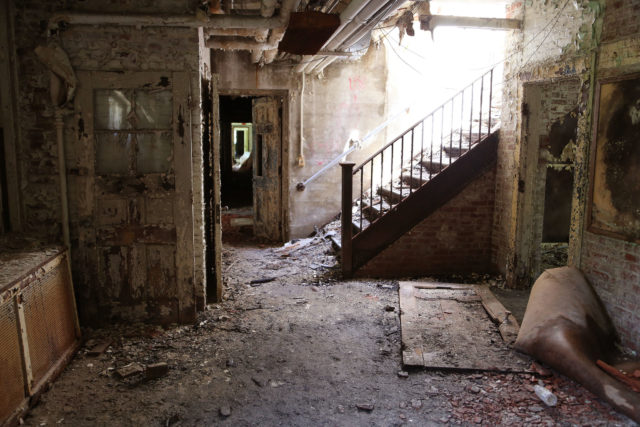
550, 122
4, 190
252, 150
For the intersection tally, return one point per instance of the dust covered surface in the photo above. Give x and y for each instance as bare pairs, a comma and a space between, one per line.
302, 349
449, 328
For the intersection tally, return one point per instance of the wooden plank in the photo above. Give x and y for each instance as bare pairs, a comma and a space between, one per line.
507, 323
183, 206
446, 326
412, 352
217, 223
24, 345
437, 285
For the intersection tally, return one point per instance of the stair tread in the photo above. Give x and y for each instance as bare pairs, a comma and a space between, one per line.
414, 179
375, 211
455, 152
427, 199
355, 222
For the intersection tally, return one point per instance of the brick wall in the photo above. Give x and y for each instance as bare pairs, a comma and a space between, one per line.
553, 45
557, 99
454, 239
612, 266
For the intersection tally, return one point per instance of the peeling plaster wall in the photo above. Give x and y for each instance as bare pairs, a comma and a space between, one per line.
350, 96
554, 45
612, 265
548, 106
598, 40
95, 48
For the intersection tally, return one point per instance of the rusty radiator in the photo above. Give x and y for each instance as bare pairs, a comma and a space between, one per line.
38, 326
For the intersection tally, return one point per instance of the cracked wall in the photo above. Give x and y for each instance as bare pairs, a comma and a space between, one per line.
349, 97
587, 41
117, 49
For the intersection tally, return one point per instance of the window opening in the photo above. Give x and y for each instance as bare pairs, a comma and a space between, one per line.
133, 129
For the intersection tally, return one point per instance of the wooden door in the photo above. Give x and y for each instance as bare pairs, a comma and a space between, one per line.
267, 168
134, 212
214, 220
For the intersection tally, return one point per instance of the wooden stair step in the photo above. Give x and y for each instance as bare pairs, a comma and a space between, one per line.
355, 222
414, 179
375, 211
433, 166
455, 151
391, 196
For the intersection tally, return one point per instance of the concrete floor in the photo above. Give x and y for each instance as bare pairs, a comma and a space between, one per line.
302, 349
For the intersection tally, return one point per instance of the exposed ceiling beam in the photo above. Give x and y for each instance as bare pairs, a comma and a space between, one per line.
429, 22
189, 21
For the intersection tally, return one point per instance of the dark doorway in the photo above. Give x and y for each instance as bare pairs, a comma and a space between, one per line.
236, 147
4, 190
236, 167
557, 205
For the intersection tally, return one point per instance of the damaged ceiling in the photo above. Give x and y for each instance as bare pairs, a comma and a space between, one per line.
311, 33
329, 29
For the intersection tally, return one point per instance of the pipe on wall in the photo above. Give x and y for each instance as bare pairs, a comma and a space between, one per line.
355, 21
189, 21
267, 49
258, 35
62, 175
357, 29
300, 159
346, 16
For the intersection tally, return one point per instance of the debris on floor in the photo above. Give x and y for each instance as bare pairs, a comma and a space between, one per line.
565, 326
303, 349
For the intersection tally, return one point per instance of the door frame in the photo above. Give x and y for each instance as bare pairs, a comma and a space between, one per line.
531, 197
85, 155
8, 114
283, 94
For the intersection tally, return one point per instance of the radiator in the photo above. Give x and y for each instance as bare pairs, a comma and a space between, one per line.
39, 330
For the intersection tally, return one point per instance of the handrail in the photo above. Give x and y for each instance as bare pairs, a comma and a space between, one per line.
353, 145
416, 124
424, 145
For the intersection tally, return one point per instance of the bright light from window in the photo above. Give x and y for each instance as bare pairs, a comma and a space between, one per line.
425, 72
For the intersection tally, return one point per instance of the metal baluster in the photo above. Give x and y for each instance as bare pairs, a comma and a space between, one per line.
411, 165
421, 149
371, 178
393, 146
361, 196
490, 97
441, 135
461, 118
451, 133
480, 118
431, 151
381, 179
471, 116
401, 163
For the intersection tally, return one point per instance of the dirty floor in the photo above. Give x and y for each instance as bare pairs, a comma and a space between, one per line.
302, 349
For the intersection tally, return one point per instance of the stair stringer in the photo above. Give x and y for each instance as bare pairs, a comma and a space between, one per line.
424, 201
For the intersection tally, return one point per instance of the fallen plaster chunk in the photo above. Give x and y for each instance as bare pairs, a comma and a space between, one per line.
566, 327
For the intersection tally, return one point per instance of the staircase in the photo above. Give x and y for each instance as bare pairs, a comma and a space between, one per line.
415, 174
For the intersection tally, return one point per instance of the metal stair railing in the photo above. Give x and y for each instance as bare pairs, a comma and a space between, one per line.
467, 112
446, 127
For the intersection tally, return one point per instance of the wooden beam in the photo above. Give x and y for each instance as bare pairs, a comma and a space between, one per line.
429, 22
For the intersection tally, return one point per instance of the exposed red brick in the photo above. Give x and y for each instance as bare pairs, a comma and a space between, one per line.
454, 239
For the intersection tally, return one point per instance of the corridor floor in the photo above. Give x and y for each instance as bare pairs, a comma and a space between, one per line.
302, 349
